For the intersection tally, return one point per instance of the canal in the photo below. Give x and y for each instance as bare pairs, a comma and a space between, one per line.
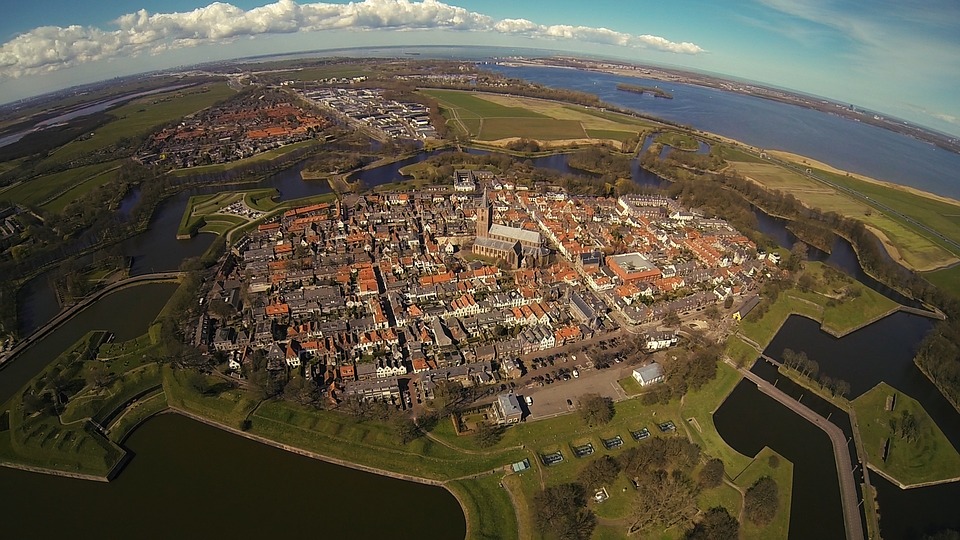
190, 480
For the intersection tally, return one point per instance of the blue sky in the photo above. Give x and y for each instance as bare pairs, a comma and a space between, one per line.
901, 58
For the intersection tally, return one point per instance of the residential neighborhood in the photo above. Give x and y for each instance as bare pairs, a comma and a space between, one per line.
383, 296
243, 126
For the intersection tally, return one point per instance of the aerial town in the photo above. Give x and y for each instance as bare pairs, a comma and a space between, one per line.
241, 127
382, 296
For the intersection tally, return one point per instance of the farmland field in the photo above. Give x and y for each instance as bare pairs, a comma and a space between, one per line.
915, 246
493, 117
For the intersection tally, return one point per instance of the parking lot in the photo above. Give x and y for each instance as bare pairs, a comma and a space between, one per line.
551, 400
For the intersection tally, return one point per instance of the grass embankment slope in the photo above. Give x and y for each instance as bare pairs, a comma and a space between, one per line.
914, 247
497, 119
928, 458
838, 302
769, 463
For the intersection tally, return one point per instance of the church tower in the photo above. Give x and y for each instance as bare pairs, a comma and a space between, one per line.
484, 216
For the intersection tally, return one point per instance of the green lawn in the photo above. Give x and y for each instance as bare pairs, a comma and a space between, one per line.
371, 443
931, 457
57, 205
740, 351
201, 213
947, 280
491, 514
40, 439
836, 316
919, 248
630, 386
940, 215
723, 495
220, 224
135, 414
228, 407
700, 406
783, 475
262, 200
611, 134
678, 140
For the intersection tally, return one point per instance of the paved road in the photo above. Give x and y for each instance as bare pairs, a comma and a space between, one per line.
841, 452
69, 312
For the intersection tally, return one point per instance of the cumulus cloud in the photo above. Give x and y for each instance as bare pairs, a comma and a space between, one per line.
49, 48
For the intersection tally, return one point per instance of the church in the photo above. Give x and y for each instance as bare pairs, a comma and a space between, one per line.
521, 248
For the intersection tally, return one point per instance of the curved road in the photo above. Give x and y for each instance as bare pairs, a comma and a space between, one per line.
69, 312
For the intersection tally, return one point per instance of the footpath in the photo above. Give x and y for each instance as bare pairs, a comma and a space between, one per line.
841, 452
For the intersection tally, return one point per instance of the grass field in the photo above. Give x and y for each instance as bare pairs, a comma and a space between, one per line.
919, 248
202, 213
742, 353
543, 129
931, 457
142, 116
839, 317
948, 280
36, 191
492, 117
782, 473
678, 140
86, 186
489, 507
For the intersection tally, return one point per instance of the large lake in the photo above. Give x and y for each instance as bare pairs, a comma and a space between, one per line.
843, 143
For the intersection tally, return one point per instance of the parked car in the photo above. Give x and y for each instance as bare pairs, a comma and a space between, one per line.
529, 400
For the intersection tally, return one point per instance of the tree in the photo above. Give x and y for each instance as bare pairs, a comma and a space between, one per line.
406, 428
98, 376
806, 282
671, 319
761, 501
487, 436
302, 391
561, 511
663, 500
711, 475
595, 409
717, 524
599, 472
221, 309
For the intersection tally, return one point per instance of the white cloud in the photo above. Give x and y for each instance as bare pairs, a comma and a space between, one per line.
50, 48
